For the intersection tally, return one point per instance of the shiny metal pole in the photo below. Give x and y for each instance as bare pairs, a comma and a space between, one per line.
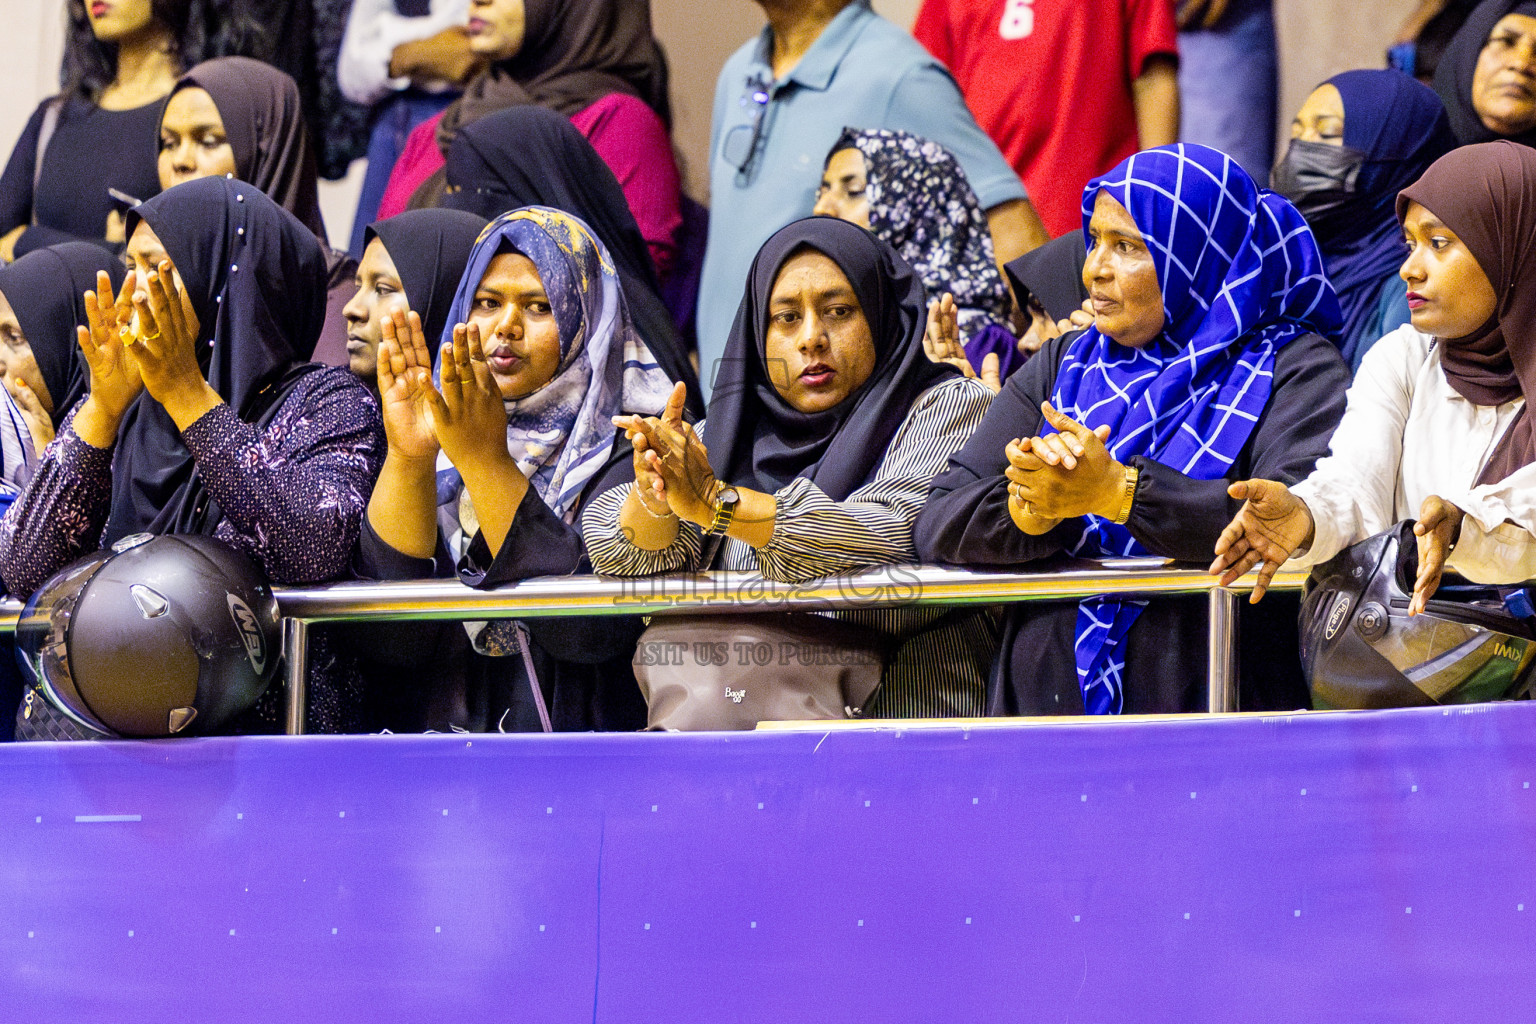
296, 666
1222, 669
726, 592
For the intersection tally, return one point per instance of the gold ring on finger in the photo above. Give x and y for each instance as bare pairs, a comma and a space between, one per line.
150, 337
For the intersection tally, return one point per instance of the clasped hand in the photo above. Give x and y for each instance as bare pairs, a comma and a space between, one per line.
1063, 475
467, 417
672, 472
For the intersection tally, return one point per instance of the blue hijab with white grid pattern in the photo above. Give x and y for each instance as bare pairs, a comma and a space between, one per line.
1240, 276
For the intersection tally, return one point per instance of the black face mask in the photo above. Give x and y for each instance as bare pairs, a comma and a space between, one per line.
1320, 180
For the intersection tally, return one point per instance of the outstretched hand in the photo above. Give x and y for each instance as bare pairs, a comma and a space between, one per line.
1437, 530
1272, 524
405, 386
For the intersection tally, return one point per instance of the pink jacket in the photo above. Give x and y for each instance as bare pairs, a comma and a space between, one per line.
629, 137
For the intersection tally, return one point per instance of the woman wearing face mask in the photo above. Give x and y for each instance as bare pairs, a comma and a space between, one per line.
1207, 356
1487, 75
238, 116
410, 262
1438, 425
486, 475
1360, 138
827, 425
203, 416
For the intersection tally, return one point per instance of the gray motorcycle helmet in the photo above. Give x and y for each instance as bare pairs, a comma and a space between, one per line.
1360, 648
160, 636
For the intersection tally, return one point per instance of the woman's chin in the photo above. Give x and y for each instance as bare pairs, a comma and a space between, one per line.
1426, 321
1129, 338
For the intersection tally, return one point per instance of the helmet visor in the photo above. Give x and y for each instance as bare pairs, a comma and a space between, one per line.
42, 642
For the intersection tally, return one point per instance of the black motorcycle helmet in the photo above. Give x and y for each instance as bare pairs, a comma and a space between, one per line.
1360, 648
159, 636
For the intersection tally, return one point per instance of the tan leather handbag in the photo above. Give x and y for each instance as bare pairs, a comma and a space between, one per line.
717, 672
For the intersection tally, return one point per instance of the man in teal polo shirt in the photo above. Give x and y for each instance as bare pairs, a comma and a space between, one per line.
780, 103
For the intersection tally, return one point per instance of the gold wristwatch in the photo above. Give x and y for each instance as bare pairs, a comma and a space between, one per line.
726, 499
1132, 474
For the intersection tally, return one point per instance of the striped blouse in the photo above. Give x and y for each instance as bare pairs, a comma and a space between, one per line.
936, 674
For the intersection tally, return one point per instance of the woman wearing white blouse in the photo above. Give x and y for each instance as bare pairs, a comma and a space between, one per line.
1436, 423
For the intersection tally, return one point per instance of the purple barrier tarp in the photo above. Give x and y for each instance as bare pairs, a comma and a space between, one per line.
1350, 868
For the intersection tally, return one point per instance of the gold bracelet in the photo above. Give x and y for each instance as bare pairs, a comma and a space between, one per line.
665, 513
1124, 515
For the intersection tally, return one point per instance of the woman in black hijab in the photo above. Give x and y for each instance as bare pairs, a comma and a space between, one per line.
1487, 75
43, 293
566, 55
203, 415
412, 261
234, 115
827, 426
41, 301
530, 156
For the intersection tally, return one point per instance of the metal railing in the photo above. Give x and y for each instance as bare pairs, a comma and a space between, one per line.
728, 592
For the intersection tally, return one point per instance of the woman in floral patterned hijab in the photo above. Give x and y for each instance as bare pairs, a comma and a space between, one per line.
913, 194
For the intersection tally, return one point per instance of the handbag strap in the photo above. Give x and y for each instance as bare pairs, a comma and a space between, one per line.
44, 136
524, 645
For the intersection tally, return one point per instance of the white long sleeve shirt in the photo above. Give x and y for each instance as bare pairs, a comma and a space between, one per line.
1406, 434
374, 29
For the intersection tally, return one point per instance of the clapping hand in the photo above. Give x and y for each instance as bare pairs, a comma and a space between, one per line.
115, 380
1066, 474
164, 346
670, 449
114, 374
941, 342
404, 368
650, 486
469, 417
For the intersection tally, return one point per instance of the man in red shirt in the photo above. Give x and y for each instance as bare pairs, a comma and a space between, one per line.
1066, 90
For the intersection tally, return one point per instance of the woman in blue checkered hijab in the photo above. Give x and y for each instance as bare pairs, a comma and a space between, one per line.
1211, 349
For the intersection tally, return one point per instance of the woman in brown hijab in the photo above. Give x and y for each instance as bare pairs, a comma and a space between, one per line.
594, 61
1437, 425
234, 115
